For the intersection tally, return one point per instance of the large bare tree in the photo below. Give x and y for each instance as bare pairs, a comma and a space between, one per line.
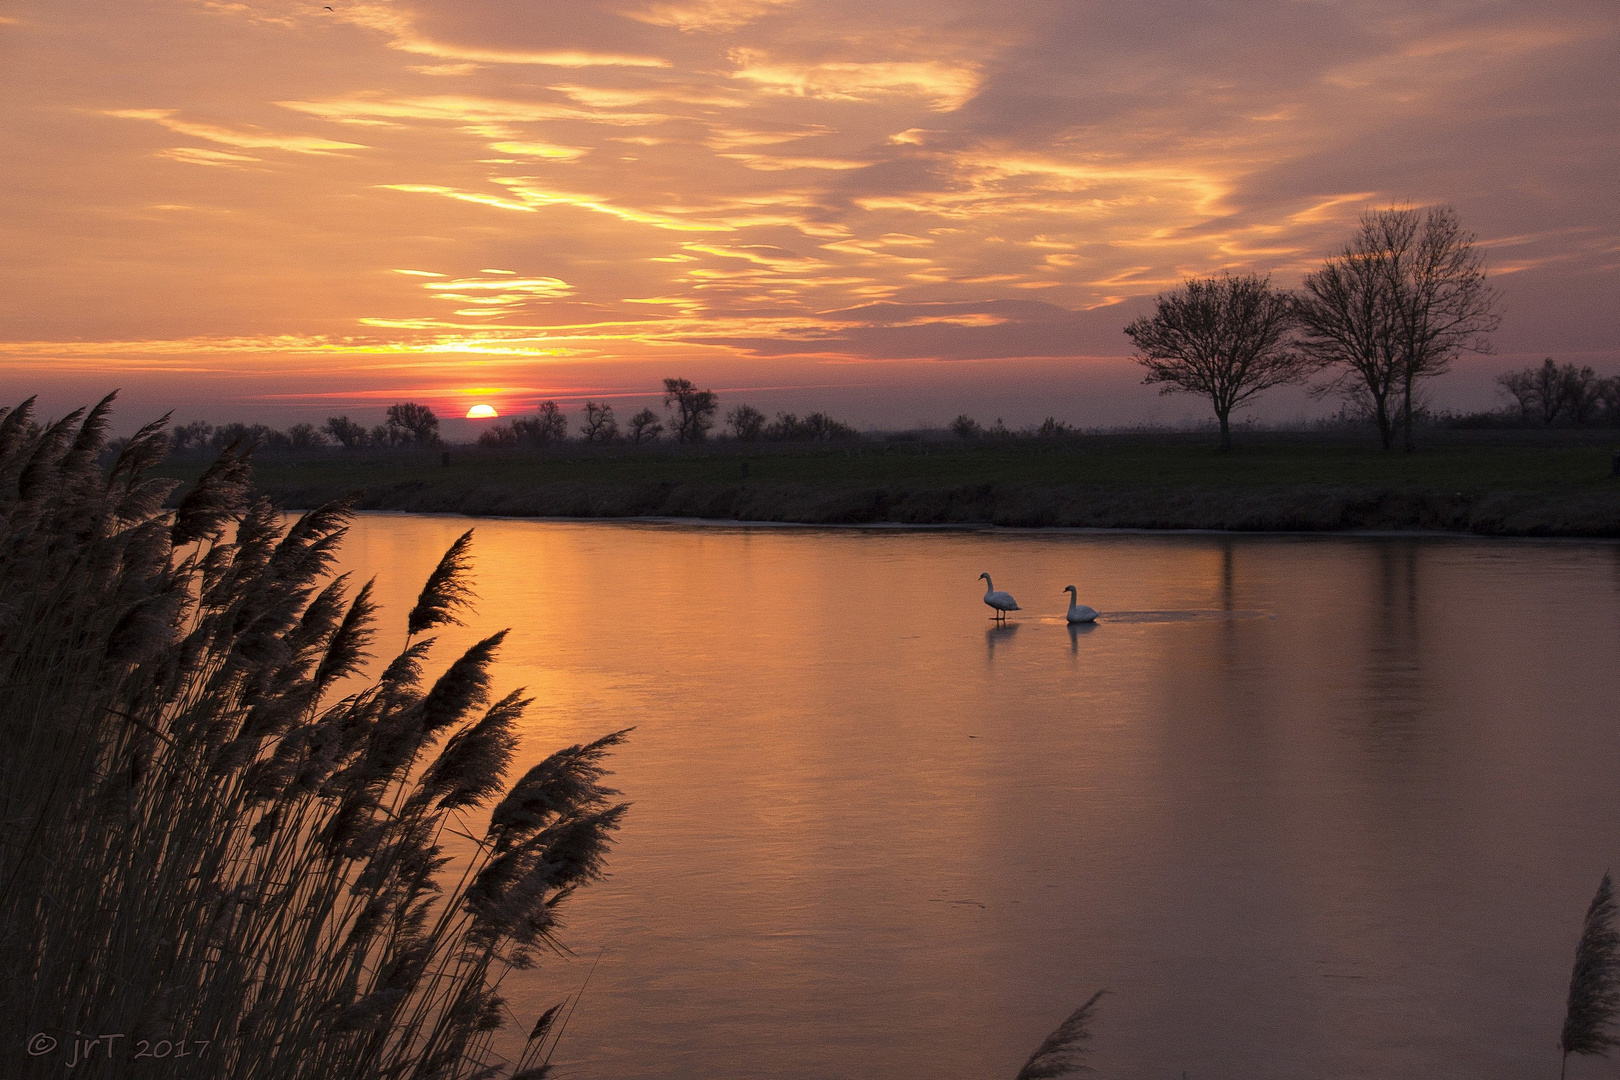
1227, 338
1399, 303
413, 423
694, 409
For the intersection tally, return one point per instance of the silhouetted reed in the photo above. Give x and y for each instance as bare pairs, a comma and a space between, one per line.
1594, 984
1062, 1052
211, 829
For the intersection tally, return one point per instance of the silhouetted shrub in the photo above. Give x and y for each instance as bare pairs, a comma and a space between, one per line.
746, 423
546, 427
817, 427
645, 427
345, 432
1549, 393
192, 436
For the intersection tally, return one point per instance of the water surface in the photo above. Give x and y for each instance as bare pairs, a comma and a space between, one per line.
1306, 807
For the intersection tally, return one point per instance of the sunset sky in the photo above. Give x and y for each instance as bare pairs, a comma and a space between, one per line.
896, 211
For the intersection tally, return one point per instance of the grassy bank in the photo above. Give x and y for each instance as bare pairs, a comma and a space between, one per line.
1513, 484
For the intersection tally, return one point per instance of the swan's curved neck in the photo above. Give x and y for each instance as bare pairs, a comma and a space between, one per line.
989, 586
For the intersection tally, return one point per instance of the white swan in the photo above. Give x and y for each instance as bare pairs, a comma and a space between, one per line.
1000, 601
1078, 612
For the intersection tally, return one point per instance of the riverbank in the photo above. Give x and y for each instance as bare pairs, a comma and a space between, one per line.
1499, 488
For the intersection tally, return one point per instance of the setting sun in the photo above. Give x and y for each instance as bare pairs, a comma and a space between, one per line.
482, 412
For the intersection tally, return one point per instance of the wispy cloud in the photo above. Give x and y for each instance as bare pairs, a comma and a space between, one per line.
944, 86
247, 139
528, 198
399, 25
705, 15
459, 109
496, 296
196, 155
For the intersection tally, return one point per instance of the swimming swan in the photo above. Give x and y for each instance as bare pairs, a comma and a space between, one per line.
1078, 612
1000, 601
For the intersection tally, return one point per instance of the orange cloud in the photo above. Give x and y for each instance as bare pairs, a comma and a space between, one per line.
459, 109
706, 15
195, 155
247, 140
399, 25
946, 87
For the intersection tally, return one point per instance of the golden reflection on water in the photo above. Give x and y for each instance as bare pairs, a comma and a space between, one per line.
1307, 807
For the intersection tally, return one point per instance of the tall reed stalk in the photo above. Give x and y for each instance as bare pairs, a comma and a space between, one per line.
210, 838
1063, 1052
1594, 983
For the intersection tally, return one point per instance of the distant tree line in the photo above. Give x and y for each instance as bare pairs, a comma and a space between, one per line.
1549, 394
690, 418
408, 424
966, 428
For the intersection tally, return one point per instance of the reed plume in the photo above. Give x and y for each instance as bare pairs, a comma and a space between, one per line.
447, 589
212, 827
1062, 1052
1594, 984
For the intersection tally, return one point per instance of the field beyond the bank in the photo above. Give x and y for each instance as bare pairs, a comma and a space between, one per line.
1516, 483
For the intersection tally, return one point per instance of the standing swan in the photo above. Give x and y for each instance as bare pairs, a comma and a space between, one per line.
1000, 601
1078, 612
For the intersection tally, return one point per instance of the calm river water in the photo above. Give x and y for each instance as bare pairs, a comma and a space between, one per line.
1307, 807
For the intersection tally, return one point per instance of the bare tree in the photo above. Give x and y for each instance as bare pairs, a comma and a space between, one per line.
1443, 305
1545, 389
694, 409
598, 424
548, 425
1347, 326
1606, 395
1548, 391
190, 436
237, 433
498, 437
817, 427
645, 427
345, 432
1521, 387
823, 428
1227, 338
415, 424
305, 437
1404, 298
1582, 396
746, 423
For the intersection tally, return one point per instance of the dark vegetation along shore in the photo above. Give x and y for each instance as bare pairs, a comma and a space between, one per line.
1557, 482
